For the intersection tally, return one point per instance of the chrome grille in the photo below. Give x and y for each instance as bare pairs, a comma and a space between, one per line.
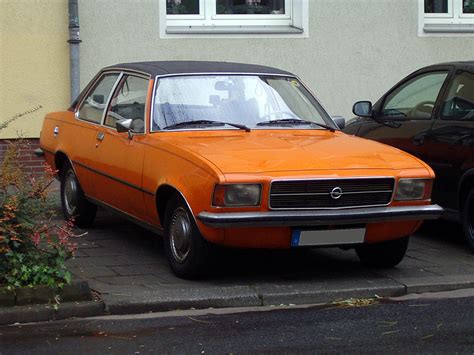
309, 194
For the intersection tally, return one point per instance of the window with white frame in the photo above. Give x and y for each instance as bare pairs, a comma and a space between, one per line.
448, 16
235, 16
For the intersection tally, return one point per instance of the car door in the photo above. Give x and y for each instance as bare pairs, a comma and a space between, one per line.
120, 155
82, 139
451, 139
406, 113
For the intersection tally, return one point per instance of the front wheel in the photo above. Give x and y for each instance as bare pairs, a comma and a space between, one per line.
386, 254
73, 202
186, 250
468, 219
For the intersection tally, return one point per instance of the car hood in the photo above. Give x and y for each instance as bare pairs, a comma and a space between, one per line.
282, 150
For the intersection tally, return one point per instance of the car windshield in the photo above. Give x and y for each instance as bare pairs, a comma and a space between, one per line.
255, 101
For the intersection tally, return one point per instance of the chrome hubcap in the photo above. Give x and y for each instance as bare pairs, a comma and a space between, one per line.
70, 192
180, 235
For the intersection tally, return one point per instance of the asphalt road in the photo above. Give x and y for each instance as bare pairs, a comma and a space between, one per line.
416, 326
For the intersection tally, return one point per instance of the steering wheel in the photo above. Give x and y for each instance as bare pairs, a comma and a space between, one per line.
275, 113
425, 107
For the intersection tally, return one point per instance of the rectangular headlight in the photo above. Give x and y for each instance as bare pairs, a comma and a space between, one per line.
413, 189
237, 195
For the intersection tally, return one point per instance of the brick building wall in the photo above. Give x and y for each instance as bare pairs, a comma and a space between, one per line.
27, 159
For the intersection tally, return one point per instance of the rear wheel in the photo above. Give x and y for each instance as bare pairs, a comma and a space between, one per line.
186, 250
73, 202
468, 219
386, 254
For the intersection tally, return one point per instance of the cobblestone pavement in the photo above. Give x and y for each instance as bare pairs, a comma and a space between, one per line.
127, 266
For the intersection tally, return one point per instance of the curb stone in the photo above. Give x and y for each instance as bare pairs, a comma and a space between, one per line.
218, 297
7, 297
22, 296
34, 295
41, 313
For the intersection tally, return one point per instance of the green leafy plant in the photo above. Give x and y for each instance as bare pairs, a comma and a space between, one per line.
33, 248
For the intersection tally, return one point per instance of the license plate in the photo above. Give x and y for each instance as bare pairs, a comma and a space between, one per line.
327, 237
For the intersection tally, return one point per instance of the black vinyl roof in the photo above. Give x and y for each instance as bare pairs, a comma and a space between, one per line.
463, 64
196, 67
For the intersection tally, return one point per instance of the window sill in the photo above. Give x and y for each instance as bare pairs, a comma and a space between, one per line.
448, 28
228, 30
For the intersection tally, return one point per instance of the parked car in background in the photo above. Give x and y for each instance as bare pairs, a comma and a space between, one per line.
231, 154
430, 114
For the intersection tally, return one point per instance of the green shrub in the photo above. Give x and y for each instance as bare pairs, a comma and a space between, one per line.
33, 247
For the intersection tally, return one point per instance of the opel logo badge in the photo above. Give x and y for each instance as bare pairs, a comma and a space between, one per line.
336, 193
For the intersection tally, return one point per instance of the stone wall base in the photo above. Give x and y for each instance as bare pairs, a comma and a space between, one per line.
29, 162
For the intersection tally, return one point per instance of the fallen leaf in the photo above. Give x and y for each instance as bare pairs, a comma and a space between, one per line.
418, 305
199, 321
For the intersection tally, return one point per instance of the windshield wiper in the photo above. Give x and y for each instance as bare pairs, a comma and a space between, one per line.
207, 122
294, 121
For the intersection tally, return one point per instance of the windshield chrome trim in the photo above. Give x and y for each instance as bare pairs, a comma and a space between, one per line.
158, 77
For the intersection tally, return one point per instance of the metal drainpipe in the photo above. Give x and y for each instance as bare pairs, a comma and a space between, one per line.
74, 40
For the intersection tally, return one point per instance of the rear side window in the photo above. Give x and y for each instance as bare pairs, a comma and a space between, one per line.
92, 108
459, 104
416, 98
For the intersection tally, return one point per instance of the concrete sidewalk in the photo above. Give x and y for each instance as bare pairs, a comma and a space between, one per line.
127, 266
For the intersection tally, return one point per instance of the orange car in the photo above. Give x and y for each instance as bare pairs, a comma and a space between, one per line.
231, 154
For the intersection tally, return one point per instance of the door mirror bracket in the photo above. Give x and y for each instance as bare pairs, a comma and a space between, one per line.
125, 126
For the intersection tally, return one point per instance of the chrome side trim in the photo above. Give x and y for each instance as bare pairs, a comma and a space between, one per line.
114, 178
127, 216
320, 218
331, 208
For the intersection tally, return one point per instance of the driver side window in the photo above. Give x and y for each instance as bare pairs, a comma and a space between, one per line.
129, 102
416, 98
459, 103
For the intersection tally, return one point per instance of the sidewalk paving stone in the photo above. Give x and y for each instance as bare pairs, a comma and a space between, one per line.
128, 267
83, 272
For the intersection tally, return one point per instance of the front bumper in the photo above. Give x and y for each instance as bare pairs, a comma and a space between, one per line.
320, 217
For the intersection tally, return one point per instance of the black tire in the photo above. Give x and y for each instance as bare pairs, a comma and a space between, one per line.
385, 255
468, 219
73, 202
187, 252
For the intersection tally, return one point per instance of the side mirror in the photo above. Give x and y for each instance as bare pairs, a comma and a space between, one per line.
339, 121
362, 108
123, 125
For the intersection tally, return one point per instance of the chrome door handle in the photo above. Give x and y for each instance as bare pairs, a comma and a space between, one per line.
100, 136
